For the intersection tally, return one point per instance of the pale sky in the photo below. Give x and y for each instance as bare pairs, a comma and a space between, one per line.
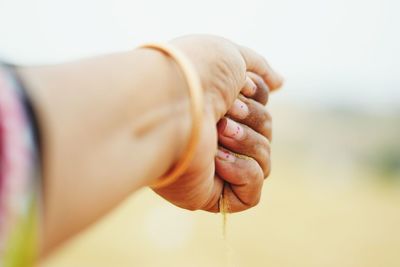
330, 51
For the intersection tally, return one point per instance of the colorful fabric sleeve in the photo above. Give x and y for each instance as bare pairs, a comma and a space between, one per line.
20, 184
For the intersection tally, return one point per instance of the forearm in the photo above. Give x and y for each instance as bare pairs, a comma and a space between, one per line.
109, 125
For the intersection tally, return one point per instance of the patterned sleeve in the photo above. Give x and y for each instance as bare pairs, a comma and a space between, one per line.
20, 185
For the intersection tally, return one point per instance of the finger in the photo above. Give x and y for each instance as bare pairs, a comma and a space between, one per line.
245, 177
253, 114
257, 64
237, 169
255, 88
243, 140
250, 88
261, 94
232, 203
232, 198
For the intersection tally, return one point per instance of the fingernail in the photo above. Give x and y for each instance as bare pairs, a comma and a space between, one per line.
233, 129
225, 156
239, 109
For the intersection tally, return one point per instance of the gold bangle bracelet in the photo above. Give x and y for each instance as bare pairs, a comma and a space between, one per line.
196, 107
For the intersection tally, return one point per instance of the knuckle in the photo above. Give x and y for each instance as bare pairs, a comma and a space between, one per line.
264, 147
264, 157
267, 130
254, 179
259, 118
267, 172
255, 172
265, 123
254, 200
262, 92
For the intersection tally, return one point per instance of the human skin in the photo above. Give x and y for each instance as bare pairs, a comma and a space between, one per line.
113, 124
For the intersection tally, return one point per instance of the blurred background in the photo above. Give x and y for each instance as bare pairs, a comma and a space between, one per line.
333, 198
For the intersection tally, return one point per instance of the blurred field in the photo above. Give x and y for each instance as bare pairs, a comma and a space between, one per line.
333, 200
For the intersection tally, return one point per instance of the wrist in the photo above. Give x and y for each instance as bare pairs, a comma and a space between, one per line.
175, 113
195, 90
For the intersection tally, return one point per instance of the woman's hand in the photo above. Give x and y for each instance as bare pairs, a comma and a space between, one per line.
104, 121
241, 143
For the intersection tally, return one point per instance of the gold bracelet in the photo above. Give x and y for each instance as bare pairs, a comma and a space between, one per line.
197, 104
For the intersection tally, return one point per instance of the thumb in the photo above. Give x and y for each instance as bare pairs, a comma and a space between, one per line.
259, 65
